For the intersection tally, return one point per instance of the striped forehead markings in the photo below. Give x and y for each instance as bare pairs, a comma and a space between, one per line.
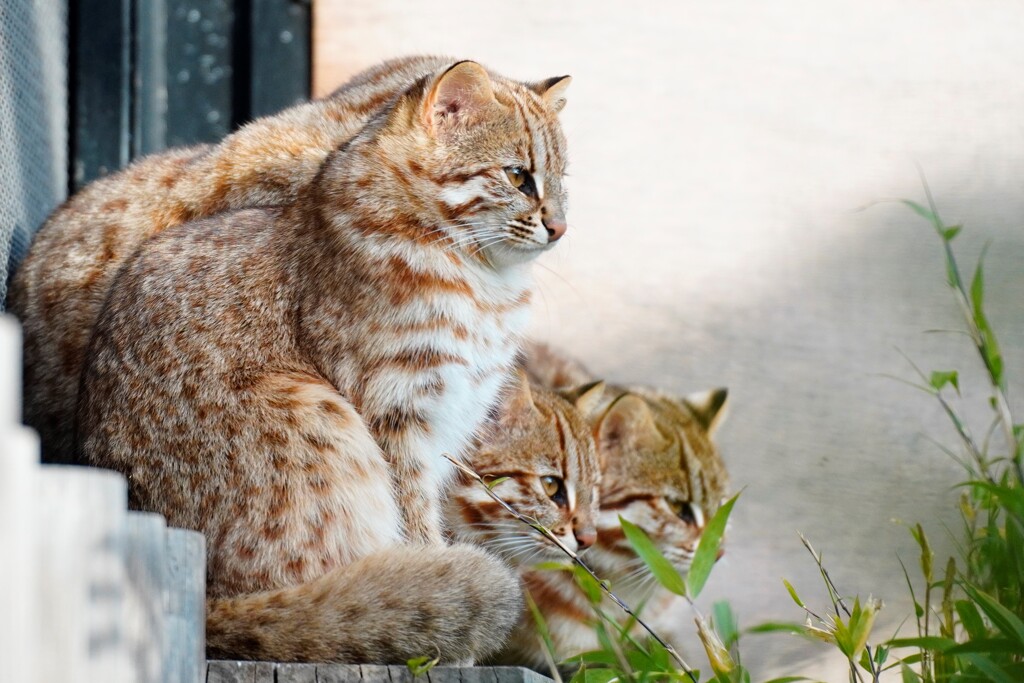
524, 120
691, 465
537, 109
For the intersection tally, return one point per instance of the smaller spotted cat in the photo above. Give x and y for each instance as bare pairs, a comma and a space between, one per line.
660, 470
541, 442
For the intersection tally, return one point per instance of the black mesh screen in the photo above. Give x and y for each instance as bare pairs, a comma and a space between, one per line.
33, 122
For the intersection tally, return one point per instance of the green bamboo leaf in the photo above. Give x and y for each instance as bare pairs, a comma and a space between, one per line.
843, 637
1008, 623
594, 657
420, 665
707, 549
971, 619
950, 232
541, 624
588, 584
660, 567
983, 645
491, 483
924, 642
861, 621
1010, 497
925, 213
724, 621
865, 661
777, 627
600, 676
993, 671
553, 566
660, 656
991, 355
792, 594
908, 675
788, 679
940, 379
927, 556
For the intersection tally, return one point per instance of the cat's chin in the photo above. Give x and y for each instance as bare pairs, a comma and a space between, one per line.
507, 254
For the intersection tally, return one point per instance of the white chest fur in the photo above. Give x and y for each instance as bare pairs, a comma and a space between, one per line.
444, 358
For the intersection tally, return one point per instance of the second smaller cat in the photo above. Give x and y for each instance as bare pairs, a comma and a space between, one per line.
540, 444
660, 470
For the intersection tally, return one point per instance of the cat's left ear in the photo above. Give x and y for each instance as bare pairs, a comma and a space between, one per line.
587, 398
460, 95
517, 405
553, 91
708, 407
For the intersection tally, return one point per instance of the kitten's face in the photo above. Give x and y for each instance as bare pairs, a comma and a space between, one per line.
543, 446
662, 472
481, 159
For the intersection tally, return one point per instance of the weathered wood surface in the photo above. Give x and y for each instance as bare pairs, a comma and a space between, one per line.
185, 643
18, 569
265, 672
146, 596
19, 458
81, 579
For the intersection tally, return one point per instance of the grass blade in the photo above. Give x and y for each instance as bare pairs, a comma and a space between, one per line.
707, 549
667, 575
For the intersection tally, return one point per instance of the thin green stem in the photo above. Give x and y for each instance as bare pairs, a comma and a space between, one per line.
1002, 406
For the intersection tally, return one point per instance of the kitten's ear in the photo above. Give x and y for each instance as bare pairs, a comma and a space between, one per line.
518, 401
708, 407
630, 422
553, 91
461, 94
587, 398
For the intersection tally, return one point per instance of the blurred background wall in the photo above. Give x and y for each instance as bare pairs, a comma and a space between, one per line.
722, 154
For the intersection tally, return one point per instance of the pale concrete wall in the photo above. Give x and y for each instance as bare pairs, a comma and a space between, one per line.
719, 154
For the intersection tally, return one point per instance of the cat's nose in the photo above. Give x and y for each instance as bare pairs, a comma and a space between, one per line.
556, 227
585, 537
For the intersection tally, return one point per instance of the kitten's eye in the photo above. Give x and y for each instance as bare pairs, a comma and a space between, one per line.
555, 489
521, 180
683, 511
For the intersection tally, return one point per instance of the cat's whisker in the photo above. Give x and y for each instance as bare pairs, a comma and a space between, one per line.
480, 240
470, 238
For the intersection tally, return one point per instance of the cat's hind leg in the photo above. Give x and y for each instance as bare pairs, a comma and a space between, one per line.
316, 491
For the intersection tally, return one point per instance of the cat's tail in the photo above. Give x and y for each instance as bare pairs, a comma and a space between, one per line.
456, 602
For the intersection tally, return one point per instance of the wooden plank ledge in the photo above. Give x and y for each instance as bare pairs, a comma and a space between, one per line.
269, 672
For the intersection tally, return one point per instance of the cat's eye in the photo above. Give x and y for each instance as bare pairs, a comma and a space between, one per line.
521, 180
684, 511
555, 489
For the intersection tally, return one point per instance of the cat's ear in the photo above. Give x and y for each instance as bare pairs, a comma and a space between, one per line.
587, 398
708, 407
628, 423
518, 402
553, 91
462, 94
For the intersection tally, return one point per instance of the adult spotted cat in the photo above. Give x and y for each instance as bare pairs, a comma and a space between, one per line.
286, 380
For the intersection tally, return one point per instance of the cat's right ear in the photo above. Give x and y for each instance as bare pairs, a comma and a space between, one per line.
553, 91
708, 407
628, 423
587, 398
461, 95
